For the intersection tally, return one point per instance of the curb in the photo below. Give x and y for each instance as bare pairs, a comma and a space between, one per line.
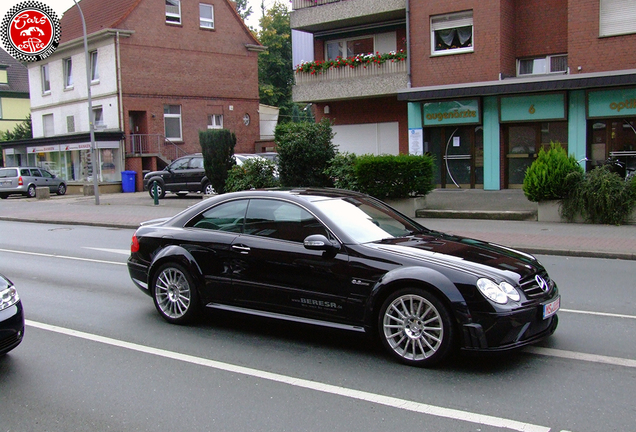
477, 214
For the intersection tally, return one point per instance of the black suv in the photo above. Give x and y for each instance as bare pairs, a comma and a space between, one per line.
183, 175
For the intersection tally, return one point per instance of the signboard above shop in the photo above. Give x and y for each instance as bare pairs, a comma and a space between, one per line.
528, 108
611, 103
457, 112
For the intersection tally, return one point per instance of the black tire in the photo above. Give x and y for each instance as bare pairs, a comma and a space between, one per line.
61, 189
182, 194
3, 196
31, 191
175, 295
415, 327
161, 193
208, 189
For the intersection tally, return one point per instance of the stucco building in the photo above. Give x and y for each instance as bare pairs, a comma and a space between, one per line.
14, 96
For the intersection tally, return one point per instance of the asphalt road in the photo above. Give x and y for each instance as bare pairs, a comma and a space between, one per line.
97, 356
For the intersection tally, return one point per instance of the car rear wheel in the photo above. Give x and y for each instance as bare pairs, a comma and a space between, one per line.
208, 189
160, 191
415, 327
31, 191
61, 189
174, 294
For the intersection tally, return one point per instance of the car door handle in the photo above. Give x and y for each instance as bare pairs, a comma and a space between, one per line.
242, 249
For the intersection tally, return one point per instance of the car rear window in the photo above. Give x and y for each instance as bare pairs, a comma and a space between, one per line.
8, 172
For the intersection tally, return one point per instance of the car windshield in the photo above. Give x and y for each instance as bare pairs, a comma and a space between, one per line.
365, 220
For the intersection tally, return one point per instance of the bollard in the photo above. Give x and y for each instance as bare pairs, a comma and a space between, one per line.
42, 192
154, 193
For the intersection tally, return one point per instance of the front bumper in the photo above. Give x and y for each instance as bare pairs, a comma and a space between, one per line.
11, 327
506, 331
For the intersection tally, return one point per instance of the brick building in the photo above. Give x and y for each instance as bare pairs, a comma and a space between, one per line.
487, 83
160, 71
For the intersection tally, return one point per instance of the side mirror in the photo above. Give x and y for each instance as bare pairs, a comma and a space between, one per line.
320, 243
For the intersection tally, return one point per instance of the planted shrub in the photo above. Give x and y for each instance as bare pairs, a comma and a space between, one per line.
545, 178
304, 151
255, 173
600, 196
342, 171
217, 146
398, 176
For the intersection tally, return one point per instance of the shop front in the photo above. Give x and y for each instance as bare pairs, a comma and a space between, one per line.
453, 135
612, 127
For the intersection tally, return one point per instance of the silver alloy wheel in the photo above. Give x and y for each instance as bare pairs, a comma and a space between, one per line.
61, 189
208, 189
413, 327
173, 293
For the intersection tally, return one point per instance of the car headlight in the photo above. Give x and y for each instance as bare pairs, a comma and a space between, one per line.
8, 297
498, 293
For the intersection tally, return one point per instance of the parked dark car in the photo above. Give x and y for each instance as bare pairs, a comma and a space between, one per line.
345, 260
11, 317
25, 180
183, 175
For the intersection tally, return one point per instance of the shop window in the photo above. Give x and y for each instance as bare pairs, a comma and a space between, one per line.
46, 81
94, 69
173, 11
349, 47
206, 16
543, 65
172, 122
452, 33
215, 121
68, 73
617, 17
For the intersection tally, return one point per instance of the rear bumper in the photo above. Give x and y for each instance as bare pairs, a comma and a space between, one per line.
139, 275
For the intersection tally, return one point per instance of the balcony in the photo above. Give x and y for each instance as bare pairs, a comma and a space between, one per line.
324, 15
351, 83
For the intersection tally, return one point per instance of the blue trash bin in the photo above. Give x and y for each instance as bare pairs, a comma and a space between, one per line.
128, 181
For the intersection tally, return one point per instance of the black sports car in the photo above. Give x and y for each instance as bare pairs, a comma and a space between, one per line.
11, 316
346, 260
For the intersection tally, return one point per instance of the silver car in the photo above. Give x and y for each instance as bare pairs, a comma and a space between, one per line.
25, 180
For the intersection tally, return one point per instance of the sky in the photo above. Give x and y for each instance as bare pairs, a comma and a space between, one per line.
60, 6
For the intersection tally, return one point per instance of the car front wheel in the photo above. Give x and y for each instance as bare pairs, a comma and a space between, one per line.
61, 189
160, 191
415, 327
174, 294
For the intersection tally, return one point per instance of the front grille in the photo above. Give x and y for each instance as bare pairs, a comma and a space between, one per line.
531, 287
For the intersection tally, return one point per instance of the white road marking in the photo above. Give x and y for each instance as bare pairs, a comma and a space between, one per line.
605, 314
116, 251
392, 402
62, 256
573, 355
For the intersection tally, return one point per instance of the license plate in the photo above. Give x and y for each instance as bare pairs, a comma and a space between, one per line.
5, 182
551, 308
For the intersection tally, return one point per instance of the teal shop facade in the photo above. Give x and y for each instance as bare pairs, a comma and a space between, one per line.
486, 134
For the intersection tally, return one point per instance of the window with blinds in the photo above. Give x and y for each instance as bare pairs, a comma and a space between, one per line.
617, 17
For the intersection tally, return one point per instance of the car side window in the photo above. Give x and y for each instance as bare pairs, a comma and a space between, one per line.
25, 172
281, 220
228, 217
46, 174
196, 163
35, 173
180, 164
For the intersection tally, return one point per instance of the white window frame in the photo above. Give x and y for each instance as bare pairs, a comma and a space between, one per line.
68, 73
46, 79
344, 42
48, 125
98, 117
173, 16
215, 121
452, 21
616, 17
548, 65
168, 115
206, 23
94, 66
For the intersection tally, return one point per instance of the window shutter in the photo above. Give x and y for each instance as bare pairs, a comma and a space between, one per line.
617, 17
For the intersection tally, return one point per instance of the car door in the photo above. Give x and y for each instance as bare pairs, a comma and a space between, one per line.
195, 174
177, 178
274, 272
36, 175
49, 180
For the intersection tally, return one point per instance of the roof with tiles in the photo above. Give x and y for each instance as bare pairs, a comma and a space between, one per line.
97, 16
17, 74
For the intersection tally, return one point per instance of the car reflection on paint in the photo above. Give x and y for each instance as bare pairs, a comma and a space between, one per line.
345, 260
11, 316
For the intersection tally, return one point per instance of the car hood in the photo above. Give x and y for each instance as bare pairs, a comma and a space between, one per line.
469, 255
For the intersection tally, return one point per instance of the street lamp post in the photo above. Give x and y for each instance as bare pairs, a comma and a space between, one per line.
90, 109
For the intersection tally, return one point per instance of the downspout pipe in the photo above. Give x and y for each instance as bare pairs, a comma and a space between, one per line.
408, 43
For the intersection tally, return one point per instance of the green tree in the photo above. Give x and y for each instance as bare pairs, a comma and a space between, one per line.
20, 131
217, 146
275, 69
243, 9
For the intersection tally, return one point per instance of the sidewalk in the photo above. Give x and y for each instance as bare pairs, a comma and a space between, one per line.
127, 210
